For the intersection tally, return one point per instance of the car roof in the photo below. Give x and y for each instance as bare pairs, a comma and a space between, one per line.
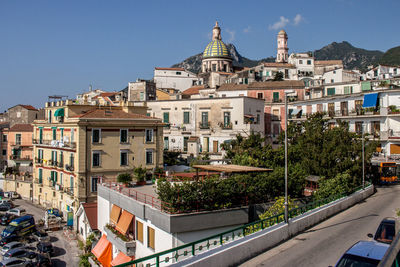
17, 249
45, 244
22, 218
368, 249
11, 259
12, 243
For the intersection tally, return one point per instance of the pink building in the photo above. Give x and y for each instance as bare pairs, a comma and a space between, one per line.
20, 148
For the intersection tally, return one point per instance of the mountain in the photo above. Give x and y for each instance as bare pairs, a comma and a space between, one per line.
351, 56
193, 63
391, 57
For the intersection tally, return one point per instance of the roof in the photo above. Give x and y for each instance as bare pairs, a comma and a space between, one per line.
193, 90
313, 178
216, 48
328, 62
230, 168
111, 114
278, 65
29, 107
22, 128
277, 84
368, 249
108, 94
282, 32
232, 87
181, 69
91, 214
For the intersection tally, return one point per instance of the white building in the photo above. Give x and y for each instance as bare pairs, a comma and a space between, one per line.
304, 63
176, 78
383, 72
340, 75
203, 124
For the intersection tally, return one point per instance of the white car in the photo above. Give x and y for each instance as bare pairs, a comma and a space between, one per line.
16, 211
11, 245
52, 218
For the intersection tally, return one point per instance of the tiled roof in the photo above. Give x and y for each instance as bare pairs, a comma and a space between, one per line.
225, 73
91, 214
29, 107
22, 128
181, 69
193, 90
108, 94
111, 114
278, 65
277, 85
232, 87
328, 62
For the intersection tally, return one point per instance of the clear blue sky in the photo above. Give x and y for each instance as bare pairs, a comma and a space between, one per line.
60, 47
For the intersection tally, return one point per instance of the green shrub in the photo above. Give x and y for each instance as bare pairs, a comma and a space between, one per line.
140, 173
124, 178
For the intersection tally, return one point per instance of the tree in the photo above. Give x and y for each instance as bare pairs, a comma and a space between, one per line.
124, 178
171, 158
341, 184
140, 174
278, 76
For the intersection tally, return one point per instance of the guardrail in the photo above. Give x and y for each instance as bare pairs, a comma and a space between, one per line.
191, 249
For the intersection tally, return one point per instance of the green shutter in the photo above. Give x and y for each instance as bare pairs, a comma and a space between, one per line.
40, 135
331, 91
40, 176
276, 96
166, 117
366, 86
186, 117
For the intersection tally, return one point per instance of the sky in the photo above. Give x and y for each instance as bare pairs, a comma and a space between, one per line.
61, 47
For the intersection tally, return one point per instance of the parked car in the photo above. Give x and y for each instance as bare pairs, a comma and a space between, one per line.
5, 207
363, 253
386, 230
41, 260
12, 195
41, 236
7, 218
8, 239
6, 201
14, 262
55, 212
16, 211
11, 245
19, 253
45, 247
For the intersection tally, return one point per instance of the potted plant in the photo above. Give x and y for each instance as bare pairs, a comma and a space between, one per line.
124, 178
140, 175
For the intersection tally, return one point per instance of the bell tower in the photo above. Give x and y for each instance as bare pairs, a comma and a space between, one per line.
282, 54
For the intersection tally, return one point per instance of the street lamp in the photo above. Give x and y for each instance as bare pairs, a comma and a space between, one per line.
363, 152
286, 161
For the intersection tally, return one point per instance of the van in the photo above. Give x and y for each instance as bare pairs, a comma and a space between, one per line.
20, 226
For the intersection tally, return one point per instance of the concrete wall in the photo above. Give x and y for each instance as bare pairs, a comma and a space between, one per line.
238, 251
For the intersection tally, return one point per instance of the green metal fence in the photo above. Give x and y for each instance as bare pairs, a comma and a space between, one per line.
191, 249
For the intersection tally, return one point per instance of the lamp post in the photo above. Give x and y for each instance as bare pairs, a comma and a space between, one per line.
286, 160
363, 152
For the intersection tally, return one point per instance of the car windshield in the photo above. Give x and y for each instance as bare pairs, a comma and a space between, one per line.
349, 260
10, 229
388, 171
385, 233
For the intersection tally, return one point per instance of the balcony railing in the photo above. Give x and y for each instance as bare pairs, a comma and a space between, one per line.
69, 190
18, 157
204, 125
20, 144
127, 246
54, 143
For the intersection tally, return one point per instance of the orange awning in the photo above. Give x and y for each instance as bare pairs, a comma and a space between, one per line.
115, 211
120, 259
102, 251
124, 222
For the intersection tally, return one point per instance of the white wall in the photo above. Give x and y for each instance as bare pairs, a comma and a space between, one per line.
165, 78
103, 209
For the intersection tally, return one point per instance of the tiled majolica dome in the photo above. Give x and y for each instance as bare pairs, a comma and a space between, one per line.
216, 48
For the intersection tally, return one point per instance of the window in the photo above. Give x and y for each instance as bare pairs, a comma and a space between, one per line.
54, 133
71, 184
61, 178
308, 62
150, 237
344, 108
204, 119
149, 135
227, 119
186, 119
275, 96
319, 107
54, 157
62, 133
331, 91
40, 176
96, 159
123, 136
206, 144
332, 80
40, 153
96, 135
72, 134
71, 160
4, 152
124, 158
260, 95
149, 156
258, 118
178, 73
166, 117
95, 181
185, 143
17, 139
348, 89
139, 231
49, 118
331, 109
214, 67
40, 135
166, 143
4, 138
141, 96
300, 61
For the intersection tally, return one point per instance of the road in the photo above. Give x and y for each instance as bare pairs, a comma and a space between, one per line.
66, 251
324, 244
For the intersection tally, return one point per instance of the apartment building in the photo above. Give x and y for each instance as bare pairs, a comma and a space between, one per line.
77, 146
376, 113
175, 78
203, 124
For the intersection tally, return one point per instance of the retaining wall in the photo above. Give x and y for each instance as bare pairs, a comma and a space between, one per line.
240, 250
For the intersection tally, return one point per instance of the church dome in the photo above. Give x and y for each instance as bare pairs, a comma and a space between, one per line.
216, 48
282, 32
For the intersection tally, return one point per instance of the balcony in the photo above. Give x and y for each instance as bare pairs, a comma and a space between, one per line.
55, 143
20, 144
204, 125
20, 158
69, 167
128, 247
39, 161
68, 190
36, 181
225, 126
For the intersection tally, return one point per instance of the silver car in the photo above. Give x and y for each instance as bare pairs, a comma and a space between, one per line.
14, 262
11, 245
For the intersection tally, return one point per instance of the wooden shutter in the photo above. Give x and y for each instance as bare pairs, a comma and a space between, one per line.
150, 237
139, 231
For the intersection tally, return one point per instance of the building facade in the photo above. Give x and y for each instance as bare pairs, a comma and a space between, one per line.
175, 78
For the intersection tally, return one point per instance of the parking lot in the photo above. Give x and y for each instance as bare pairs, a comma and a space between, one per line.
66, 250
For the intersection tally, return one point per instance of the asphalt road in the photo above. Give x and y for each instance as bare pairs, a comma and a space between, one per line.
325, 243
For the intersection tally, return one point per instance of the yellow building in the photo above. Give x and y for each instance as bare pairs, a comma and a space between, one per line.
78, 146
